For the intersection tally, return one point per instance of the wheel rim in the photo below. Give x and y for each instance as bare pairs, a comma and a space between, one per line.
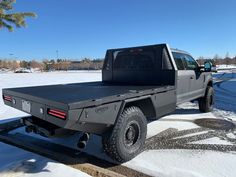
132, 134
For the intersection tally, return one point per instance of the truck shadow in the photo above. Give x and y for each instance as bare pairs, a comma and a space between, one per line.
170, 138
188, 139
186, 111
27, 166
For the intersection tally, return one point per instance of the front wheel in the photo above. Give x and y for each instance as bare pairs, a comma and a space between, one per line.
206, 103
127, 137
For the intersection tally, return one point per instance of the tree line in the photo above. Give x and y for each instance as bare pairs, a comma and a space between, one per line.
88, 64
50, 65
217, 60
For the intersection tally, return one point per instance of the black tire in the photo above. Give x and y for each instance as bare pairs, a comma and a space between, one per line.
206, 103
127, 138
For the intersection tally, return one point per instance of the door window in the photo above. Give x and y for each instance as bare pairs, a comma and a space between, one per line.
190, 63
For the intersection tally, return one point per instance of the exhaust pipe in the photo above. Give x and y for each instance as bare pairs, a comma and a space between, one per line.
81, 144
83, 141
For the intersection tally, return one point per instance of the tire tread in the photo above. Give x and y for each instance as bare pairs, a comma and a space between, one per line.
110, 139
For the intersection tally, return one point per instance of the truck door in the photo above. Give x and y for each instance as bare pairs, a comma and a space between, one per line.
183, 78
196, 84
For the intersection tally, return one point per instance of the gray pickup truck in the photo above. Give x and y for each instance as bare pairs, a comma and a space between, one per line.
138, 84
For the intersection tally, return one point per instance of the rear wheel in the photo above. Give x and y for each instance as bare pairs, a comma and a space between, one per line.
128, 136
206, 103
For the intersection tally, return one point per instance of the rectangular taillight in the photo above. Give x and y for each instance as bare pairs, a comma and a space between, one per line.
7, 98
56, 113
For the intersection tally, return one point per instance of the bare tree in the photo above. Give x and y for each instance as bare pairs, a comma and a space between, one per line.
14, 65
65, 65
227, 59
35, 64
200, 60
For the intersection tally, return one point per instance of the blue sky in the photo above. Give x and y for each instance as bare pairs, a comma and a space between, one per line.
86, 28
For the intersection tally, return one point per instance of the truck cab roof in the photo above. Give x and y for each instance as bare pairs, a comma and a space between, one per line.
179, 51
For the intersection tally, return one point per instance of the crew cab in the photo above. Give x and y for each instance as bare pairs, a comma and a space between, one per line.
138, 84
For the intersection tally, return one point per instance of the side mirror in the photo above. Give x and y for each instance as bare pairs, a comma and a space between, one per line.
207, 66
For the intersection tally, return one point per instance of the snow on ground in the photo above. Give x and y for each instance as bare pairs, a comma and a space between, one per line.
179, 163
17, 162
226, 91
225, 67
187, 158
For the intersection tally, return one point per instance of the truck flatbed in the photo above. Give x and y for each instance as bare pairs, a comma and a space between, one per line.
138, 84
81, 95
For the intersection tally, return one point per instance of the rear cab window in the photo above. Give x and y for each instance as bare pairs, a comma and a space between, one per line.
178, 57
134, 59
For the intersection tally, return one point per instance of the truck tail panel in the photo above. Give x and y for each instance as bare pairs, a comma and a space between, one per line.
95, 119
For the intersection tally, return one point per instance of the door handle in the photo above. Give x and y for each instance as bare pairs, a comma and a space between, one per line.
191, 77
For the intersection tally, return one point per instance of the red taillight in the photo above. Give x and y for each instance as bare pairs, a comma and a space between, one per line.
7, 98
57, 113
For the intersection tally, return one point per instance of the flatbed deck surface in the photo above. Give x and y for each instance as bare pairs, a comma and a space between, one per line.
84, 94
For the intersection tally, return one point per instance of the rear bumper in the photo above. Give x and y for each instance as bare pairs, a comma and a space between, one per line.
44, 128
96, 119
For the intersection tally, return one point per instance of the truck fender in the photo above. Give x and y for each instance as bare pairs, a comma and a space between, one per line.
145, 103
208, 82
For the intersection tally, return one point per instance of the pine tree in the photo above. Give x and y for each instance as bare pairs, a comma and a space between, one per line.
7, 20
